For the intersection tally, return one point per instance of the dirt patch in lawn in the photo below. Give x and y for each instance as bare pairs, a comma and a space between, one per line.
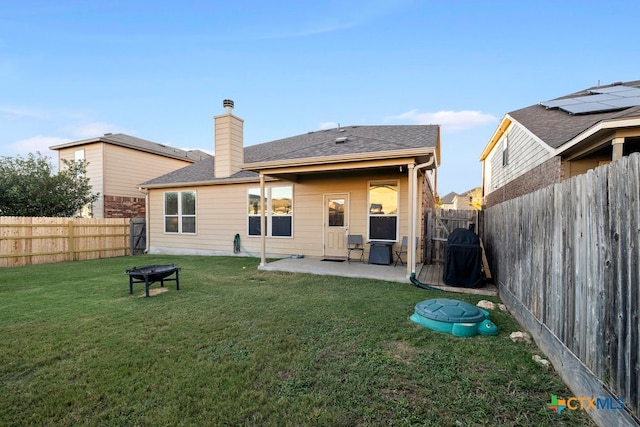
155, 291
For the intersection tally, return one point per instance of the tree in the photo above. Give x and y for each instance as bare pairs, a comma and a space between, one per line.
29, 187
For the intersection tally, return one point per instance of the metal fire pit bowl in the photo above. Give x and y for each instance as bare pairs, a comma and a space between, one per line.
151, 274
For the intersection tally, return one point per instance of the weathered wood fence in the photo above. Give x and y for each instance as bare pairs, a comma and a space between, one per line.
567, 263
25, 240
440, 223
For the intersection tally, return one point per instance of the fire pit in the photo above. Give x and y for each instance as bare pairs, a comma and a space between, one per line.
151, 274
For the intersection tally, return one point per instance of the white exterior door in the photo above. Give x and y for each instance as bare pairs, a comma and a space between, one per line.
336, 224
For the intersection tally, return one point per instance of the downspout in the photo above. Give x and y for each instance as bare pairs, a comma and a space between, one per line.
147, 215
413, 206
147, 219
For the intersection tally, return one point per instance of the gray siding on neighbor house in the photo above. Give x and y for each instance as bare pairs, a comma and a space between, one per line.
525, 152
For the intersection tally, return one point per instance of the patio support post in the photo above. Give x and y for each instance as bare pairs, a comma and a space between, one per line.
411, 206
263, 222
618, 146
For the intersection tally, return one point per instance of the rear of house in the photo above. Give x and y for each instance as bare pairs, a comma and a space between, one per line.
316, 189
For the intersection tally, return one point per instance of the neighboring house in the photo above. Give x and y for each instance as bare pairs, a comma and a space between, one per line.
469, 200
117, 163
555, 140
448, 200
317, 187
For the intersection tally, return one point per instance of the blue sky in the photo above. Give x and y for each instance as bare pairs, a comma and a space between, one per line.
159, 70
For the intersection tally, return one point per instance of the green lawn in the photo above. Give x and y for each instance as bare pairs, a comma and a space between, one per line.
237, 346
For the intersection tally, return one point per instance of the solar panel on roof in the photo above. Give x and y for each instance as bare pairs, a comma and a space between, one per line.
587, 107
624, 102
611, 89
558, 102
602, 99
631, 93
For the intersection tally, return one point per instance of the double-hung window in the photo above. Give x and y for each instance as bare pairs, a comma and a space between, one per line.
180, 212
383, 210
278, 205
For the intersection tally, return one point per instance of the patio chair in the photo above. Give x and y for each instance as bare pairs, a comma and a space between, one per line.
401, 251
355, 244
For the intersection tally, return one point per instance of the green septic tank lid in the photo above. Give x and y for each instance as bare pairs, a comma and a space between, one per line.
449, 310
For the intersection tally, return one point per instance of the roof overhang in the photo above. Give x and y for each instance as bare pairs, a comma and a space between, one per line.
223, 181
502, 128
345, 161
76, 143
107, 140
599, 135
291, 169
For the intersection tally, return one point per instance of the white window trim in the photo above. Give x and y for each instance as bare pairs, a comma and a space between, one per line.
397, 214
268, 213
505, 151
180, 215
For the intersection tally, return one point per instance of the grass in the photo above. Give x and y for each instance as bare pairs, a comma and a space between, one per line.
238, 346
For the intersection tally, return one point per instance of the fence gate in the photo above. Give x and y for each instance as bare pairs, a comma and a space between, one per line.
138, 235
441, 222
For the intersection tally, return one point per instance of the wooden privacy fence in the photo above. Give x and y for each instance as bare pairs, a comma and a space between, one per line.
25, 240
567, 262
440, 223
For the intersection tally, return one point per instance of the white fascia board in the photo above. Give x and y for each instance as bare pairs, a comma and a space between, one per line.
604, 125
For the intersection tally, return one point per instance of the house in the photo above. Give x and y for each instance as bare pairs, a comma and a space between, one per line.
448, 200
117, 163
300, 195
467, 200
554, 140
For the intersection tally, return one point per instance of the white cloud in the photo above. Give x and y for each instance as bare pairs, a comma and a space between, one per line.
328, 125
449, 120
318, 19
12, 113
37, 143
93, 129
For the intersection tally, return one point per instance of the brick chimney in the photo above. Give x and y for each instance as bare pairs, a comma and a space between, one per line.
228, 144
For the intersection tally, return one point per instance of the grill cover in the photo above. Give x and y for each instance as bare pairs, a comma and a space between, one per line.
463, 261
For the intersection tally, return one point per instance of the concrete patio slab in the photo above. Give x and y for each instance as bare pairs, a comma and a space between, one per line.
429, 274
335, 268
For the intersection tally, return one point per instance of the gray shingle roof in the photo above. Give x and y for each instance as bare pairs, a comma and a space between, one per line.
140, 144
556, 127
360, 140
448, 198
201, 171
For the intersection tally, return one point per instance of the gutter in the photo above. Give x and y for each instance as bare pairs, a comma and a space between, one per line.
219, 181
337, 159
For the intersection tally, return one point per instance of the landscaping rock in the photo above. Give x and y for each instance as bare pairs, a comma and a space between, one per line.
487, 305
520, 337
541, 361
502, 307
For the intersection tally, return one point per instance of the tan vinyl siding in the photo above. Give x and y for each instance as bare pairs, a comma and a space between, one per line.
125, 169
229, 150
222, 212
93, 155
580, 166
524, 153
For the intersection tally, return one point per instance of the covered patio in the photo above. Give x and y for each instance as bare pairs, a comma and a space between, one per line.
430, 274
